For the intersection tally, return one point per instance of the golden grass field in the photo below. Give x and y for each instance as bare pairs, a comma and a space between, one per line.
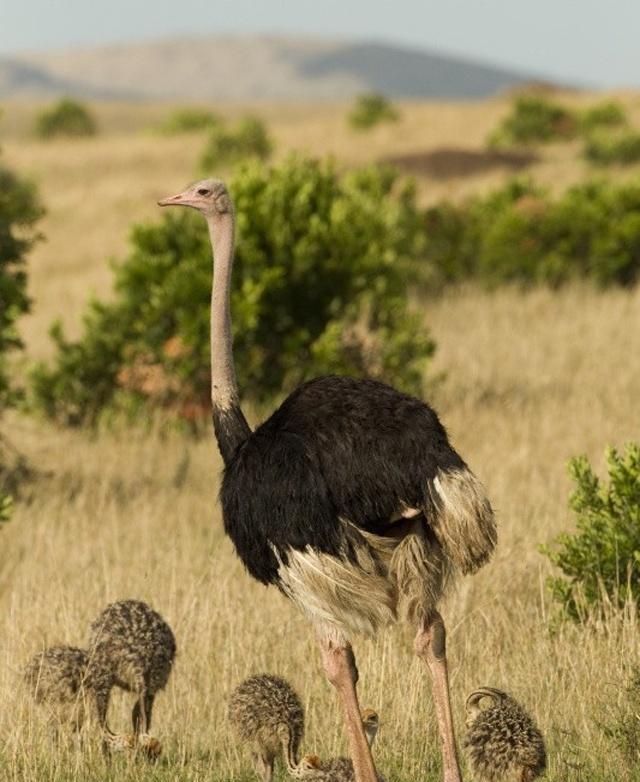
531, 378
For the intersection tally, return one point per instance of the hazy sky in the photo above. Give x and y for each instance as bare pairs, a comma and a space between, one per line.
586, 41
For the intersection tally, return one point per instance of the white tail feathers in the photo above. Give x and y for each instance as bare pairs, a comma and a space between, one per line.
463, 520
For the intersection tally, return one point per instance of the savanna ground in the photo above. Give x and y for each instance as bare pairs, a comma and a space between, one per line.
528, 379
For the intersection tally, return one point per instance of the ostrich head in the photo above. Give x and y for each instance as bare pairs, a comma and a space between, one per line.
473, 707
124, 742
309, 767
370, 723
209, 196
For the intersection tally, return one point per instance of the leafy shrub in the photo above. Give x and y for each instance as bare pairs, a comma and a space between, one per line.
319, 286
188, 120
249, 138
604, 115
607, 149
601, 560
66, 118
534, 120
521, 234
372, 109
19, 213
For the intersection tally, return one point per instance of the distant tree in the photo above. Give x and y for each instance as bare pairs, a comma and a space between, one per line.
248, 138
534, 120
372, 109
606, 149
603, 115
66, 118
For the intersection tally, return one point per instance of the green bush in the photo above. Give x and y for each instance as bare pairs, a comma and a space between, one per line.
606, 149
521, 234
320, 285
534, 120
66, 118
188, 120
600, 561
371, 110
19, 212
604, 115
248, 138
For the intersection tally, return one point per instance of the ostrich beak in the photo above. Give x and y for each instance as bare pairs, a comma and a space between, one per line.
182, 199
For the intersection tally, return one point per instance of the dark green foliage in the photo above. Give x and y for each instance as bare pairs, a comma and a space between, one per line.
371, 110
66, 118
534, 120
600, 561
320, 286
604, 115
521, 234
188, 120
607, 149
248, 138
19, 213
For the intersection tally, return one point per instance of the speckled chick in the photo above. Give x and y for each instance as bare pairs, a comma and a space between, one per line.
338, 769
131, 647
503, 743
55, 679
266, 712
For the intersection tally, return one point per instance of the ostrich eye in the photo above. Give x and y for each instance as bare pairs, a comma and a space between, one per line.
203, 191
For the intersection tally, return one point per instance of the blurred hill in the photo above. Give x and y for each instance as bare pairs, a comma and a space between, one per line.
249, 68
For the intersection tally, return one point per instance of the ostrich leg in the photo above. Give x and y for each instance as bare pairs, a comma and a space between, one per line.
430, 646
141, 714
340, 668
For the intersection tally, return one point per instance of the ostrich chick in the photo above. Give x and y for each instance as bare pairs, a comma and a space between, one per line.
266, 712
131, 647
55, 679
502, 741
339, 769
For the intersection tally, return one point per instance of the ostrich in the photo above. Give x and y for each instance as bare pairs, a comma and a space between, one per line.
502, 740
266, 711
55, 679
349, 498
131, 647
339, 769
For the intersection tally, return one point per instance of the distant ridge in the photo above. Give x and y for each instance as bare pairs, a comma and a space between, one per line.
22, 80
250, 68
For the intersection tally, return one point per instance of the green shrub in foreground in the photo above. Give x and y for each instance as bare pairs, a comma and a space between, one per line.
66, 118
319, 286
610, 148
372, 109
534, 120
522, 234
19, 212
600, 561
248, 138
188, 120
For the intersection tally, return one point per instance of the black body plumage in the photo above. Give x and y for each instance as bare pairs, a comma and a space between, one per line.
337, 448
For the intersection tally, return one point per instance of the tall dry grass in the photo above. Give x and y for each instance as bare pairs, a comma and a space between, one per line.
530, 379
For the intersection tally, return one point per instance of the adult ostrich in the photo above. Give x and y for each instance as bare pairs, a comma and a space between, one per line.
349, 498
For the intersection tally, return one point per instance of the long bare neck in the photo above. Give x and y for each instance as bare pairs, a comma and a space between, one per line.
230, 425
